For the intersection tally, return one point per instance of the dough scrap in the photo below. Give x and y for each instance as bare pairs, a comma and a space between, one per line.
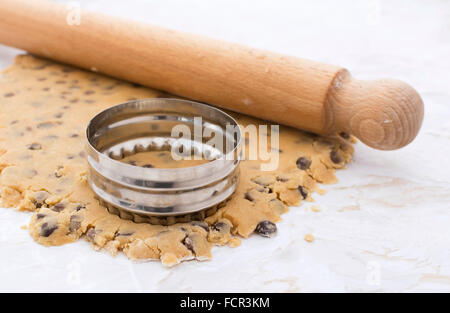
44, 109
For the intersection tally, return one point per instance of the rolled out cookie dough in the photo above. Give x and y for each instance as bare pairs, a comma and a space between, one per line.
160, 159
44, 108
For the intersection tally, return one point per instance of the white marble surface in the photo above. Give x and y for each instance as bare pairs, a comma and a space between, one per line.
384, 226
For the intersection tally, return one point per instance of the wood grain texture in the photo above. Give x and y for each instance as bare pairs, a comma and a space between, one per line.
301, 93
385, 114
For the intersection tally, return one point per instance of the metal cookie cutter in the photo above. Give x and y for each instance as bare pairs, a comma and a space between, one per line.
162, 195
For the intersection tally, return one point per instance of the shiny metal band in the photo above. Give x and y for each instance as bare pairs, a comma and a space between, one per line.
146, 125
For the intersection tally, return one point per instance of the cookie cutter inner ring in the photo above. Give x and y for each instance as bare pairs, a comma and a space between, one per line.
143, 194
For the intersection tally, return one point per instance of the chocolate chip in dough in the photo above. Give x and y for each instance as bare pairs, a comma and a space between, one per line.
40, 216
91, 234
34, 146
75, 223
80, 207
249, 197
220, 226
266, 228
51, 137
124, 234
147, 166
303, 192
58, 207
39, 198
201, 224
189, 244
58, 173
9, 95
335, 157
282, 179
263, 189
47, 230
89, 92
344, 135
45, 125
303, 163
74, 135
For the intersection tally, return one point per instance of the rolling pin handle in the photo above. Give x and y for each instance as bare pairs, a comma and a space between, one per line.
385, 114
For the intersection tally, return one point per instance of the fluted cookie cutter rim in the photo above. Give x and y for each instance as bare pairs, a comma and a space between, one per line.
142, 125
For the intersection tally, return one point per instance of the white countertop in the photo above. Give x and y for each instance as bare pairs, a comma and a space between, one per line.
384, 227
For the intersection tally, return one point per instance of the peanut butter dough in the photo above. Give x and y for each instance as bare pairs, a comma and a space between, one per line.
44, 110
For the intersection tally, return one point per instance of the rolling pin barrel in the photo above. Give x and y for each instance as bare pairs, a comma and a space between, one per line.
325, 99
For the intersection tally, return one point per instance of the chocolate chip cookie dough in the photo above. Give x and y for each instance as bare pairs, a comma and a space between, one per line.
159, 159
44, 109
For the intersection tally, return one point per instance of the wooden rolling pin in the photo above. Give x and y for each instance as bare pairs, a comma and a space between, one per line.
385, 114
